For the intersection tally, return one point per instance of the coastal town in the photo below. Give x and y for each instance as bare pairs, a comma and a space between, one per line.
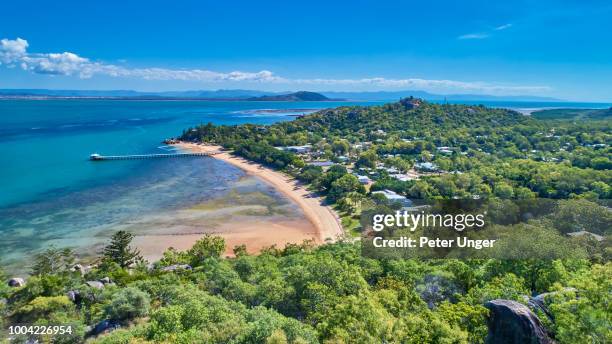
317, 156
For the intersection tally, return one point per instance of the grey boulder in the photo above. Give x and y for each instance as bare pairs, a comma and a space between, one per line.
176, 267
512, 322
95, 284
104, 326
16, 282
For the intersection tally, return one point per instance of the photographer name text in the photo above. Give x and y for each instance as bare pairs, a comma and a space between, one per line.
423, 242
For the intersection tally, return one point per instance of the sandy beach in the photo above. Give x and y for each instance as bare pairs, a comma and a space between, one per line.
322, 217
256, 234
240, 224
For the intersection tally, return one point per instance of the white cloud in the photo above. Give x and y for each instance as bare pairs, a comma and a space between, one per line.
12, 50
181, 74
483, 35
58, 64
503, 27
474, 36
14, 53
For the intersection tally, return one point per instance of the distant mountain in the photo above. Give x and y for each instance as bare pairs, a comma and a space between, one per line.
470, 97
395, 95
246, 94
293, 97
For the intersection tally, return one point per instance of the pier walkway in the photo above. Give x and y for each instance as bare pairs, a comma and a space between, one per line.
98, 157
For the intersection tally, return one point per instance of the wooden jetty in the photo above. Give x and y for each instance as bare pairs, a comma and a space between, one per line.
98, 157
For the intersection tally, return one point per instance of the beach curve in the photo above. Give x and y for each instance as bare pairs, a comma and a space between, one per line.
323, 218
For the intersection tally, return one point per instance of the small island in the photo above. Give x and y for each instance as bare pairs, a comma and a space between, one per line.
301, 96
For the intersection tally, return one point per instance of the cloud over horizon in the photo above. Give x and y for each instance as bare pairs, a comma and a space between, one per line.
13, 53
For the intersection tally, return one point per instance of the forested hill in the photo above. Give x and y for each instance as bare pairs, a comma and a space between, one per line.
410, 118
411, 114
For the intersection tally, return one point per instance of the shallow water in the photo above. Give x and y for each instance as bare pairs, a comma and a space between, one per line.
51, 194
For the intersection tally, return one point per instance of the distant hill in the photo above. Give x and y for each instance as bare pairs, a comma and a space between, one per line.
201, 94
293, 97
238, 94
573, 114
395, 95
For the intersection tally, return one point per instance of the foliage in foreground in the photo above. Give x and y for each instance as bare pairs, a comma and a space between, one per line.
303, 294
332, 294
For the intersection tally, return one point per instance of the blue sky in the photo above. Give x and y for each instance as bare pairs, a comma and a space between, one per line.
550, 48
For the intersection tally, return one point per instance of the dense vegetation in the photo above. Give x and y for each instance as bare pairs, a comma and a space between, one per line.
493, 152
575, 114
334, 293
303, 294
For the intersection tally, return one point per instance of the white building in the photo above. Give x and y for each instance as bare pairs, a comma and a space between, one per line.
392, 170
426, 166
401, 177
392, 196
445, 150
364, 179
297, 149
321, 163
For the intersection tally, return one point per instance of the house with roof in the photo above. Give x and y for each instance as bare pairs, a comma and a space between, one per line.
445, 150
364, 179
321, 163
298, 149
394, 197
402, 177
426, 166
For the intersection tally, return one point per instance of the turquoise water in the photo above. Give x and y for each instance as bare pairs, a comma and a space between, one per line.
44, 145
50, 193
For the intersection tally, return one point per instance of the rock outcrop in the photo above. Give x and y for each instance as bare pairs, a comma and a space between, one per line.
95, 284
512, 322
176, 267
539, 302
410, 102
104, 326
16, 282
80, 268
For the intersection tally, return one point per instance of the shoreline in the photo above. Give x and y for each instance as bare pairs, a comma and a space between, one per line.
323, 218
256, 234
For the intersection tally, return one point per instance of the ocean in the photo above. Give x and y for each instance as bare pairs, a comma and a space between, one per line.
51, 194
